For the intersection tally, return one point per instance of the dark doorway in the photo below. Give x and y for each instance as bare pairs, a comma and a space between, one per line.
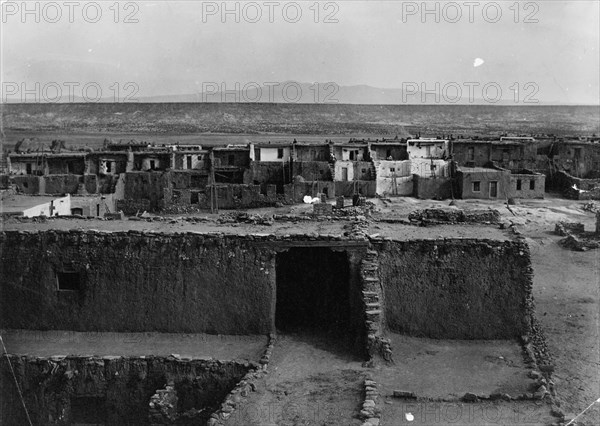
493, 189
313, 291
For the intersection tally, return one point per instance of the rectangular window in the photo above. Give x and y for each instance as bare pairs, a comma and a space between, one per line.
231, 160
477, 186
363, 170
518, 184
428, 151
532, 184
392, 169
152, 164
108, 166
279, 152
189, 162
28, 168
68, 281
471, 154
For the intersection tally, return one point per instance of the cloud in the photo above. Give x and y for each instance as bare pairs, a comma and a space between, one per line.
478, 62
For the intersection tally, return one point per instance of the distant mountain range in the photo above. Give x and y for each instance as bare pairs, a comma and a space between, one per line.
322, 93
291, 92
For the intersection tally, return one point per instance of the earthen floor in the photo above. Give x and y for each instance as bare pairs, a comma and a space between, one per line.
447, 369
58, 342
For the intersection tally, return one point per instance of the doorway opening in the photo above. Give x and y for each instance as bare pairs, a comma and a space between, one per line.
313, 291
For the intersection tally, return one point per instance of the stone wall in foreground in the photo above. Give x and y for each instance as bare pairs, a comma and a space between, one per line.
114, 390
226, 284
457, 289
129, 281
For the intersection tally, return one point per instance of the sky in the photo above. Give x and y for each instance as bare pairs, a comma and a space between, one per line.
547, 50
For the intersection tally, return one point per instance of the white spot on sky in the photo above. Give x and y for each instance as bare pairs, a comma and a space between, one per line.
409, 417
90, 50
478, 62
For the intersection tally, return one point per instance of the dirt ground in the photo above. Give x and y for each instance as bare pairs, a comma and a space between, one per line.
447, 369
60, 342
312, 380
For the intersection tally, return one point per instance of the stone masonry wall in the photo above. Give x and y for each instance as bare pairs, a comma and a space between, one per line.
121, 387
135, 282
457, 289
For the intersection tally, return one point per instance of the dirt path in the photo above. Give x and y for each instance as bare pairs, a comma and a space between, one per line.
312, 380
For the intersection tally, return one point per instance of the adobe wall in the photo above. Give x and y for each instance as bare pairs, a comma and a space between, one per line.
432, 188
481, 153
297, 191
136, 282
61, 184
465, 181
226, 284
457, 289
312, 170
268, 172
366, 188
394, 177
30, 185
526, 191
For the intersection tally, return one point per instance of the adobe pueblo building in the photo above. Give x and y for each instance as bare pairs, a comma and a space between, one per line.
199, 277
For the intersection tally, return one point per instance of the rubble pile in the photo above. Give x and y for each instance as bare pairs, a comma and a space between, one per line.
436, 216
244, 217
576, 238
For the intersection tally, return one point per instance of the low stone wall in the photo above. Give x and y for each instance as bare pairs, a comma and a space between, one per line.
455, 216
112, 389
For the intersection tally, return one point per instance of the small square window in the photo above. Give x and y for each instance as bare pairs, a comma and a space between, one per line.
392, 169
476, 186
363, 170
68, 281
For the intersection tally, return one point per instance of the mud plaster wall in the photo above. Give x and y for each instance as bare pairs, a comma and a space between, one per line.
124, 385
62, 184
526, 191
432, 188
136, 282
457, 289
